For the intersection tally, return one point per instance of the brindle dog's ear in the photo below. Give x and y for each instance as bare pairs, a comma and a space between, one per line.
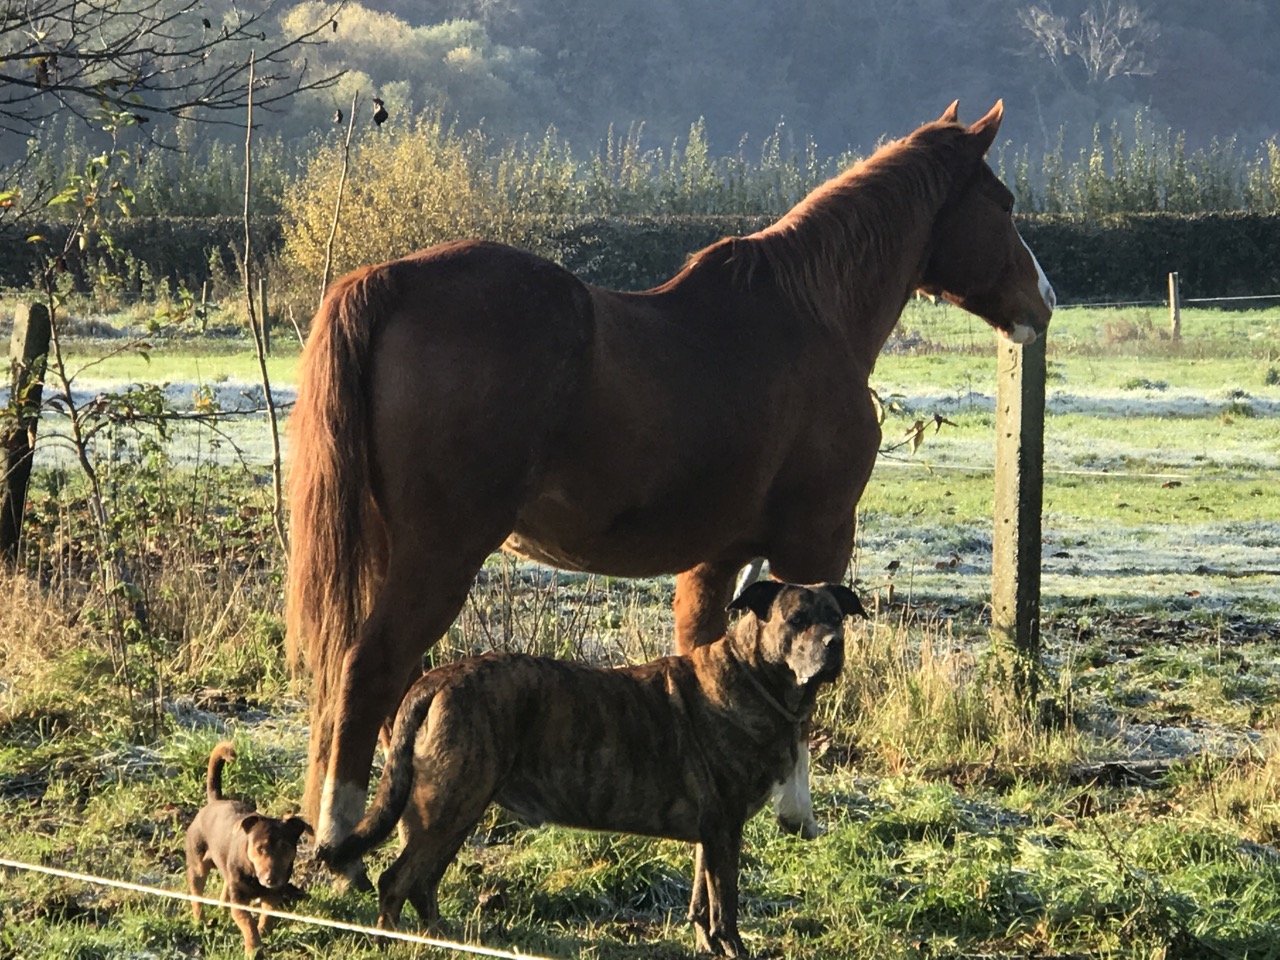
758, 597
297, 827
846, 599
251, 821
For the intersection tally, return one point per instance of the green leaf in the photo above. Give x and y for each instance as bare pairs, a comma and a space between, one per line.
66, 196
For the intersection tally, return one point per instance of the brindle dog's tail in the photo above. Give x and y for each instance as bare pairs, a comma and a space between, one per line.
223, 753
397, 776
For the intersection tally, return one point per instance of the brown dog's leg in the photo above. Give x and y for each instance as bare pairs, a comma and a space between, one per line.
701, 597
265, 920
248, 925
197, 875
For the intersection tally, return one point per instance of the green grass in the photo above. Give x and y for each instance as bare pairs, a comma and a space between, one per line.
985, 857
179, 361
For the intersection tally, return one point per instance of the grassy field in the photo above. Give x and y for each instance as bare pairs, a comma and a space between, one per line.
1143, 821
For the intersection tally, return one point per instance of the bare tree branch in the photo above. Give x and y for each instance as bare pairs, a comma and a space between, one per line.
109, 61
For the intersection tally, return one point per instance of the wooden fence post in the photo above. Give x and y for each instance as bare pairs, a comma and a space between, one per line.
1175, 307
27, 349
1019, 489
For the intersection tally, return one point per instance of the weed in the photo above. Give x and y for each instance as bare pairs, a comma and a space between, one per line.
1142, 383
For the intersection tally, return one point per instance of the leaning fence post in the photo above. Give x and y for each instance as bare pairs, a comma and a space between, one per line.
27, 350
1019, 489
1175, 307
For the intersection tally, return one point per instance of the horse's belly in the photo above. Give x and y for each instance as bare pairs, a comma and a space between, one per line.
647, 538
548, 554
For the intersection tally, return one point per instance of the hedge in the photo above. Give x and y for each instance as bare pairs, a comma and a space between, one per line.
175, 248
1124, 257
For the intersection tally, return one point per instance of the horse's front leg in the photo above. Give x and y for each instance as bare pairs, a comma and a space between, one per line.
702, 594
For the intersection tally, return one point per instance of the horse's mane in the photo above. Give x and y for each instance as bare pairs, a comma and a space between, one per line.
844, 228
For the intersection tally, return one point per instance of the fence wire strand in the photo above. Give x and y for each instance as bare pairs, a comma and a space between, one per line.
413, 938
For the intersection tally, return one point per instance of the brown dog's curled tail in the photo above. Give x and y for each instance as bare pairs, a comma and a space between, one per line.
397, 777
223, 753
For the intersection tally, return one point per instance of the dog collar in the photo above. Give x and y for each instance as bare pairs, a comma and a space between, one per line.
769, 698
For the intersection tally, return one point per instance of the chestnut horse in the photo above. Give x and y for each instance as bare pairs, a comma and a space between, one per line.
473, 396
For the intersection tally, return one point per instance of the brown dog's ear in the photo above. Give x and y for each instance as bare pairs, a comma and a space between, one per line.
297, 827
757, 598
846, 600
251, 821
951, 114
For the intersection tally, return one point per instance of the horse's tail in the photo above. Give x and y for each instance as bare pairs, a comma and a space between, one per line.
338, 546
397, 775
223, 753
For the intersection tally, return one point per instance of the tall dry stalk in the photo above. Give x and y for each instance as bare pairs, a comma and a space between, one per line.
256, 328
337, 203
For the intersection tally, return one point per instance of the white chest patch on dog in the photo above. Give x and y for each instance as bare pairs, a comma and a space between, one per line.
792, 803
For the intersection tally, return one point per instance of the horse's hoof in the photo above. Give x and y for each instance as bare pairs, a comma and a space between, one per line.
352, 876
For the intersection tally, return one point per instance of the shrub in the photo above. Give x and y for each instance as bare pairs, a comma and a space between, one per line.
406, 189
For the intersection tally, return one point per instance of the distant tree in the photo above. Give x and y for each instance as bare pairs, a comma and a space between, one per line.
453, 67
1108, 40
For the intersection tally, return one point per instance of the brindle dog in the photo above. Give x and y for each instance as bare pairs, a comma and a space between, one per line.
686, 747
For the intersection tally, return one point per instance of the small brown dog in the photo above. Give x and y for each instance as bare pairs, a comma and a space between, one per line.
685, 747
254, 853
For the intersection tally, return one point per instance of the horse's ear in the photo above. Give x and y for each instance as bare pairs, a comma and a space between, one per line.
951, 114
984, 131
757, 598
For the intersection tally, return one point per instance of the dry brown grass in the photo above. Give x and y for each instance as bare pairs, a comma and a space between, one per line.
35, 629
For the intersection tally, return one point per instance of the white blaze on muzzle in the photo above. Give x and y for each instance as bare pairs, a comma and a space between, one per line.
1022, 333
1046, 288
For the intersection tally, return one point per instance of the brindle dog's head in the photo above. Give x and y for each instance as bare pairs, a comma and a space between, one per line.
272, 845
801, 627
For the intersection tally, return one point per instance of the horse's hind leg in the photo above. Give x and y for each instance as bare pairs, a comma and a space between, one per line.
423, 592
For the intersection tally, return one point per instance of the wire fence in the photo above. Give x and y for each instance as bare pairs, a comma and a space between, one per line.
160, 892
1164, 302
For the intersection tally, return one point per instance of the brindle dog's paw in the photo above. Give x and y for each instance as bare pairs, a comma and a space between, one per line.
806, 829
